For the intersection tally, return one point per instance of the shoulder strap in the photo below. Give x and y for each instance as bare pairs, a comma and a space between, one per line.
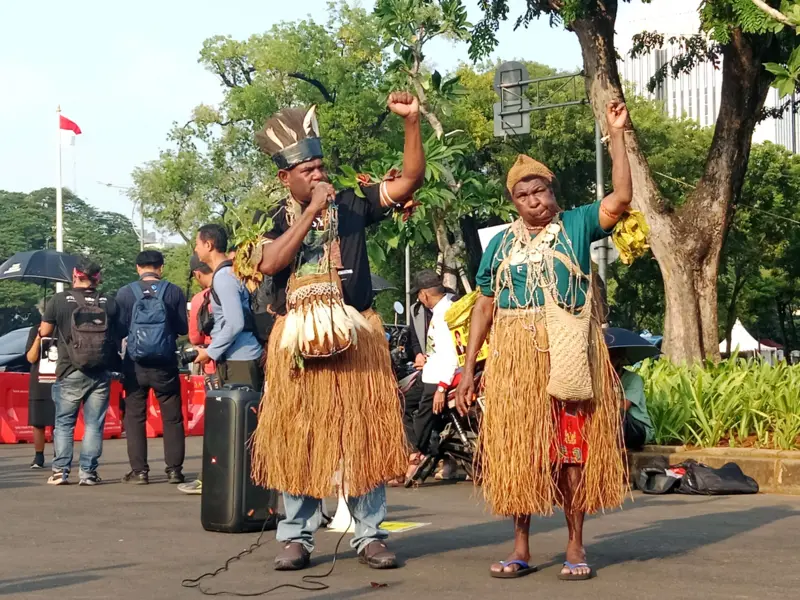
138, 294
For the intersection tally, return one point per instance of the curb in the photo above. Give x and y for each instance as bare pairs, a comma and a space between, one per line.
776, 471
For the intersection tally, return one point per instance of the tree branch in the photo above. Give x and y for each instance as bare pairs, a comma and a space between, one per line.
316, 83
774, 13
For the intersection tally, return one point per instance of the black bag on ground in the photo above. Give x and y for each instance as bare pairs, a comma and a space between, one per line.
703, 480
653, 479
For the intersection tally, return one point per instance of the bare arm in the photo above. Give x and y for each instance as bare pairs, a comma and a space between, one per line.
46, 329
280, 253
618, 202
481, 323
401, 189
33, 352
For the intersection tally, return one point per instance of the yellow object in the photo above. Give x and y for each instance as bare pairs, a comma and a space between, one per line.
458, 318
399, 526
630, 236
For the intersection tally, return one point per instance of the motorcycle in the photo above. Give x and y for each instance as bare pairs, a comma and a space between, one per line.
458, 440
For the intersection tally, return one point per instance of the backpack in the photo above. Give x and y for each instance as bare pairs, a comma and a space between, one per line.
258, 323
150, 337
205, 320
90, 344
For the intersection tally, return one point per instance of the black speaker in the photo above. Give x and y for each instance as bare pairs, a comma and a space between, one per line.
231, 502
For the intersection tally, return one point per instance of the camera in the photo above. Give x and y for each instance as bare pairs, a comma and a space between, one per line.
187, 357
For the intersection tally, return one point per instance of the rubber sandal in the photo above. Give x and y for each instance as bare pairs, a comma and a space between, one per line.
572, 576
524, 569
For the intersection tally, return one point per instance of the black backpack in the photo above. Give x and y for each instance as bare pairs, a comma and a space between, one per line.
205, 320
90, 343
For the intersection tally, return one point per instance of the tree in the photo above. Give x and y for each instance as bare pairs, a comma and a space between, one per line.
107, 237
686, 239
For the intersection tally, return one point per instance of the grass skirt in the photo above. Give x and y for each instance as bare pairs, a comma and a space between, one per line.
519, 431
345, 408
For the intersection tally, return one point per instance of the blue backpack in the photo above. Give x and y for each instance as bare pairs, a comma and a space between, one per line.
150, 337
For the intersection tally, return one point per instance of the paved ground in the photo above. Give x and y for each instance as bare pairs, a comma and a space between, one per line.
126, 543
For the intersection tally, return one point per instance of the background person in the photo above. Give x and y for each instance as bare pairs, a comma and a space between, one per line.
637, 428
234, 346
41, 409
201, 303
151, 363
84, 321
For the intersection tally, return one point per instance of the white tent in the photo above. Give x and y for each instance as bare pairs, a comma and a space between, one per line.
744, 343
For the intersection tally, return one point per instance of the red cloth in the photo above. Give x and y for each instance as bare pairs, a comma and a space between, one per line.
197, 337
66, 124
570, 446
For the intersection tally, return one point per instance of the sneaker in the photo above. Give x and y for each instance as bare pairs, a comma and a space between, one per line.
38, 461
89, 478
60, 478
194, 488
176, 476
136, 478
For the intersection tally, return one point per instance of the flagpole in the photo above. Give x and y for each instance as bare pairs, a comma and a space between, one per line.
59, 200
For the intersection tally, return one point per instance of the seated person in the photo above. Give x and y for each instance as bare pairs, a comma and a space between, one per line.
637, 427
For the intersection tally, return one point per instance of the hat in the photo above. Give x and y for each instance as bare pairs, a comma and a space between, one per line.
291, 137
195, 264
424, 280
525, 167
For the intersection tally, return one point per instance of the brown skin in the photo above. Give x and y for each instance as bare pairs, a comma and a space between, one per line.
204, 279
536, 204
308, 184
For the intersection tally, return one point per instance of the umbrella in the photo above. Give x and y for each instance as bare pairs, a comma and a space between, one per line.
379, 284
39, 266
631, 345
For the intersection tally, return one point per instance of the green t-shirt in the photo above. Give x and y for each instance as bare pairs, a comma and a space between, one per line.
581, 225
633, 386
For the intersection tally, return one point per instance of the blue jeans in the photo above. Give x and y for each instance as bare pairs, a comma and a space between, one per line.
304, 516
69, 393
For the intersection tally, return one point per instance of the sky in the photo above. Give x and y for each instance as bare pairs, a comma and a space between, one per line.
124, 75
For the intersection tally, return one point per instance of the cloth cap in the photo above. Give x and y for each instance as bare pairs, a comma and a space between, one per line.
424, 280
525, 167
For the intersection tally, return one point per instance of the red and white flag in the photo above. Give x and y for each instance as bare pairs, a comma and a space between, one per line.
67, 125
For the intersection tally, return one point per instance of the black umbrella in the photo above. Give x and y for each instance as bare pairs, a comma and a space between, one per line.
379, 284
39, 266
630, 345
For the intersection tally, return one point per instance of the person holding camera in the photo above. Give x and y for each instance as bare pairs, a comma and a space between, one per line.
201, 321
234, 346
152, 314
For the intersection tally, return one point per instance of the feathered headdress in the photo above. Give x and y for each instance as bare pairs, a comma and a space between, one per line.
291, 137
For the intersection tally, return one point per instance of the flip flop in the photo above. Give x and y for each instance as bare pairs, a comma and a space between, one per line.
574, 577
524, 569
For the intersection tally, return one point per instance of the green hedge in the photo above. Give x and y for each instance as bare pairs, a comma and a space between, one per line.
724, 404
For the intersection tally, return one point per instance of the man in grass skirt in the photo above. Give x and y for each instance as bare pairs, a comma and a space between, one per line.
330, 410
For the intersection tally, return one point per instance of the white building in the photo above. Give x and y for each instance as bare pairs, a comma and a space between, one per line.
695, 95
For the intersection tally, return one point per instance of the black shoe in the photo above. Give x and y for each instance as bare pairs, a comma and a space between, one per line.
38, 461
140, 478
176, 476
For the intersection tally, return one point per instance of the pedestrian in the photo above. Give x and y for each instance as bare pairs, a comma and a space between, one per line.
152, 314
551, 427
234, 347
332, 397
440, 365
201, 323
41, 409
83, 320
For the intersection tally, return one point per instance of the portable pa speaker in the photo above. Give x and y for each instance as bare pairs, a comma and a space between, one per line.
231, 502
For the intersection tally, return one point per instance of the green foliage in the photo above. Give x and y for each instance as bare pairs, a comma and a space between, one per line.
735, 402
28, 223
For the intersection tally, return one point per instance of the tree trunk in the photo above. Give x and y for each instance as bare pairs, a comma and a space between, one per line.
687, 241
730, 321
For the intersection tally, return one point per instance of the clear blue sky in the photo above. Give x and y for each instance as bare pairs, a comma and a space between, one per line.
124, 74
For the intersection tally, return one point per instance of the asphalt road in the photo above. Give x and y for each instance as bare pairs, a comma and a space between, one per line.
116, 541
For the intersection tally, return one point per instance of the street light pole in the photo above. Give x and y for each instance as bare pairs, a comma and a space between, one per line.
141, 211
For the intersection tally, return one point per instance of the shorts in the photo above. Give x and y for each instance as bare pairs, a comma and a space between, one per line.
570, 446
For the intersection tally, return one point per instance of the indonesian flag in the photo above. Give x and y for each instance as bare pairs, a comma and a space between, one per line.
66, 124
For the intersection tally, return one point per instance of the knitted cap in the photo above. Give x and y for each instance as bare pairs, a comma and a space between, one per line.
525, 167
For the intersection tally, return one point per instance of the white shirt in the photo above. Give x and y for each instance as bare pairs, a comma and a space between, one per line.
440, 349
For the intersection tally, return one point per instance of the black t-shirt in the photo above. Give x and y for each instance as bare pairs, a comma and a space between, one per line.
36, 389
174, 300
59, 313
355, 215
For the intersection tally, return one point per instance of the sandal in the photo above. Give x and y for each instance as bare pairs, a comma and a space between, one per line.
524, 569
572, 576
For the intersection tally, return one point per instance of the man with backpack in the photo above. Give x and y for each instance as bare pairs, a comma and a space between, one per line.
152, 314
234, 345
83, 320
